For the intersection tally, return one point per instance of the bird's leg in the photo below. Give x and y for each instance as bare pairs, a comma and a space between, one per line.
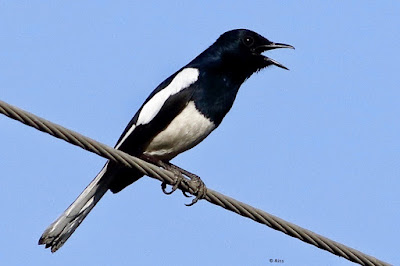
179, 179
200, 191
178, 175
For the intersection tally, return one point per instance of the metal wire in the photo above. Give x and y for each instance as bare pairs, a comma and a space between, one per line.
169, 178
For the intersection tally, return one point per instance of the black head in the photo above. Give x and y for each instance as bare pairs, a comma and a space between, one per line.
240, 52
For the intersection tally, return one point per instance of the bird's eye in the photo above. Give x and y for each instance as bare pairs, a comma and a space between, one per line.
248, 41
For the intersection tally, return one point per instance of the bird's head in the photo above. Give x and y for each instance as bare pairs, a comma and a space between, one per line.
242, 51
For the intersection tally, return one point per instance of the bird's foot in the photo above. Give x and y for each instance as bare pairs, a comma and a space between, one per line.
178, 180
200, 190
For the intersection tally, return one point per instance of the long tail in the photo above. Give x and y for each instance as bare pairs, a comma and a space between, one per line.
61, 229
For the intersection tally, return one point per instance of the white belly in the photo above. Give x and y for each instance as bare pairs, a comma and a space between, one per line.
187, 129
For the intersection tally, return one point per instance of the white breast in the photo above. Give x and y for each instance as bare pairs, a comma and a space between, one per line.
188, 129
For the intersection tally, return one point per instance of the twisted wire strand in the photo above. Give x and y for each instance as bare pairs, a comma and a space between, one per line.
169, 178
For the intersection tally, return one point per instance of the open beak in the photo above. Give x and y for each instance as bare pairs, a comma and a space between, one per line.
272, 46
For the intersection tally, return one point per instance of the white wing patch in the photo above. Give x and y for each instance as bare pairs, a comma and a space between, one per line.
125, 136
181, 81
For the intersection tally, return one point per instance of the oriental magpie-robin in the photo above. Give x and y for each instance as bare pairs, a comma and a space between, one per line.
178, 114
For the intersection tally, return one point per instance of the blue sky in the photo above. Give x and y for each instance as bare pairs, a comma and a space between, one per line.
317, 145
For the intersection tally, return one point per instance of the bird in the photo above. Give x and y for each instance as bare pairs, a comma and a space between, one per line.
181, 112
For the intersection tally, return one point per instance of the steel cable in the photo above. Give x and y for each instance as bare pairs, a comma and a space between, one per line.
169, 178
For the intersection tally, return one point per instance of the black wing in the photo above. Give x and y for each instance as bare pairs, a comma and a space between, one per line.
139, 138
